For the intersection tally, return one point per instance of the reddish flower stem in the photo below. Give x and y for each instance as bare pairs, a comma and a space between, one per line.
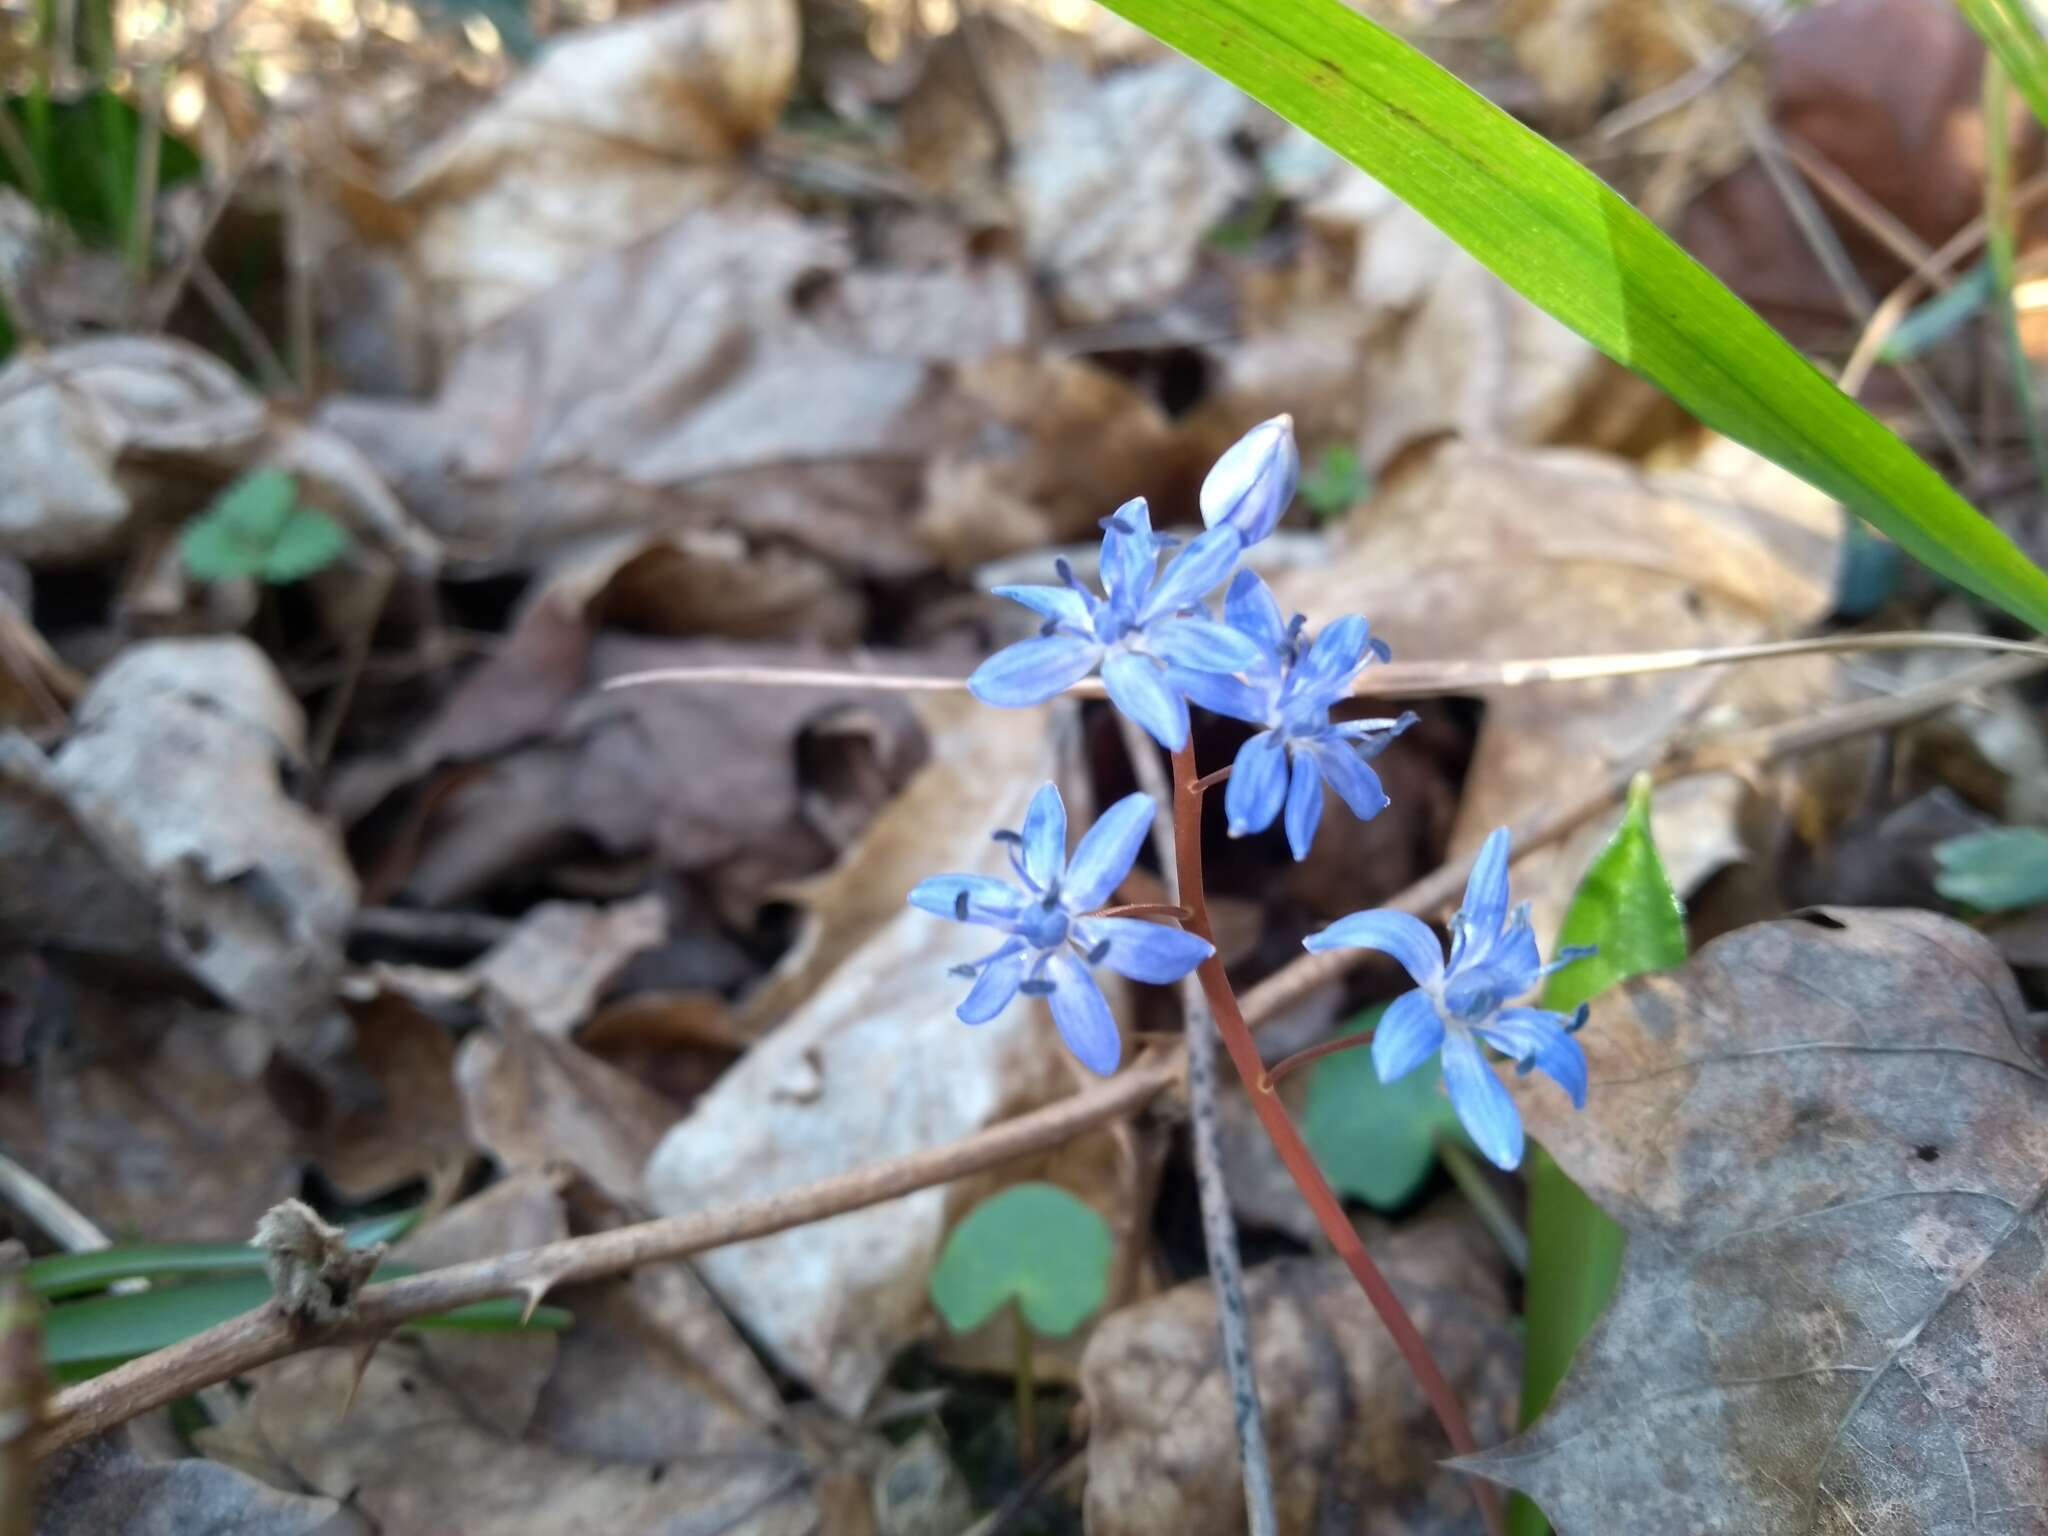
1294, 1153
1314, 1053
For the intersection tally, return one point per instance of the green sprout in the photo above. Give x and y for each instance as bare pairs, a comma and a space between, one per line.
1339, 482
258, 527
1042, 1253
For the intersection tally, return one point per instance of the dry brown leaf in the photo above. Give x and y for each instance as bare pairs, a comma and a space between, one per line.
412, 1130
72, 422
647, 1415
104, 1486
115, 430
1120, 177
555, 965
674, 384
747, 787
1449, 348
497, 1377
866, 1061
1354, 1444
533, 1101
158, 1128
615, 132
178, 759
1493, 554
1881, 89
1826, 1139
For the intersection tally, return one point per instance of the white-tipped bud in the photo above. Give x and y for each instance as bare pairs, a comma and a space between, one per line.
1253, 483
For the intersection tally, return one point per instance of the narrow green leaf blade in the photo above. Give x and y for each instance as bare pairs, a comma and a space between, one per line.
1374, 1141
1625, 905
2010, 33
1033, 1244
75, 1274
1574, 247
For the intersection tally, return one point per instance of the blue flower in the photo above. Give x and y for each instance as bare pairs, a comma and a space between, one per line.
1146, 633
1052, 941
1250, 487
1290, 691
1493, 961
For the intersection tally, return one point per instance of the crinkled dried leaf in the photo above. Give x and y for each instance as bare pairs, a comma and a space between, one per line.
1827, 1139
71, 422
867, 1062
555, 964
104, 1485
1121, 177
178, 760
675, 383
1354, 1446
613, 133
533, 1100
161, 1128
411, 1127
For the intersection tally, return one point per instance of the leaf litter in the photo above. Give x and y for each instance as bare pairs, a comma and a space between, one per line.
763, 334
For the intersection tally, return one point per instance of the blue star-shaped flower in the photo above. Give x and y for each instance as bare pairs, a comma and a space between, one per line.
1290, 691
1052, 939
1494, 960
1146, 633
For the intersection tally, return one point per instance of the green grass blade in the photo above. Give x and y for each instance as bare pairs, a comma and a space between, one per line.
82, 1338
1998, 250
2016, 42
1573, 246
76, 1274
1625, 905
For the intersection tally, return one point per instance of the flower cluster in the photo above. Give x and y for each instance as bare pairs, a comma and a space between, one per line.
1151, 636
1455, 1006
1157, 646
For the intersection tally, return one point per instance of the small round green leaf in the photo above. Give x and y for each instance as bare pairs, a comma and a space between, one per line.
1033, 1244
2003, 870
309, 542
1374, 1141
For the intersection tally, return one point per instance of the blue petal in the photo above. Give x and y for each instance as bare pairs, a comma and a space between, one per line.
1257, 785
1485, 907
1513, 958
1045, 837
1251, 485
1482, 1102
1409, 1033
1333, 660
1082, 1014
1535, 1037
1406, 938
1250, 608
1304, 806
1201, 644
1372, 737
989, 901
1138, 686
1032, 671
993, 988
1222, 695
1130, 553
1357, 785
1107, 852
1143, 951
1063, 605
1193, 573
